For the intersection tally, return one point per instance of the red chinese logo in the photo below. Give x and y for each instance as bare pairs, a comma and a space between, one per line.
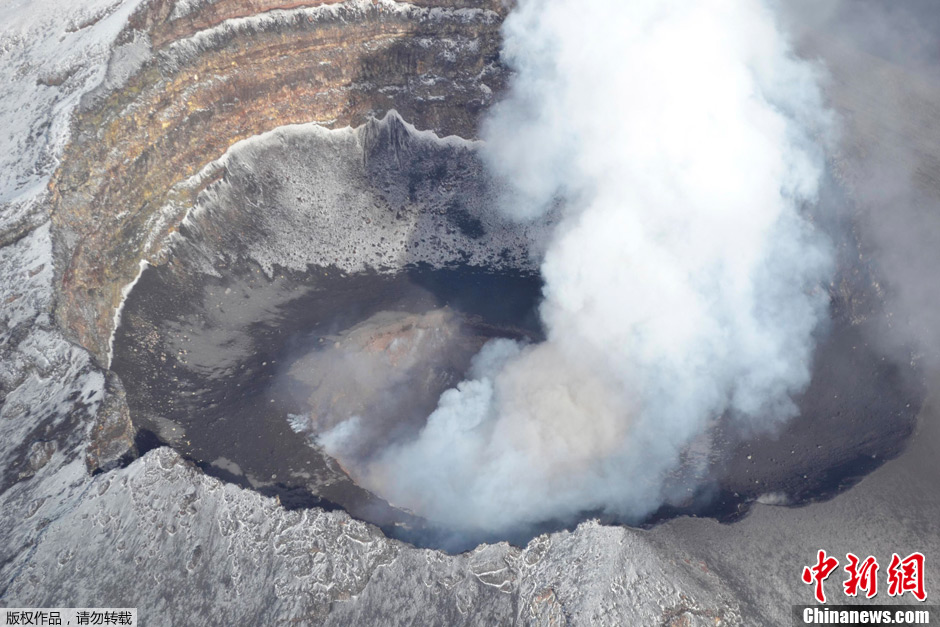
907, 575
904, 575
864, 576
819, 573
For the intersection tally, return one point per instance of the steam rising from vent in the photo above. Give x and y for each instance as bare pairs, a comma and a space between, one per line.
682, 283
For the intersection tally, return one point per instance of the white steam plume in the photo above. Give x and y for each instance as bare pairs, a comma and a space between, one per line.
682, 283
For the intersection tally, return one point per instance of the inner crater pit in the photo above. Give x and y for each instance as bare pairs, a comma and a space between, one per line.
322, 275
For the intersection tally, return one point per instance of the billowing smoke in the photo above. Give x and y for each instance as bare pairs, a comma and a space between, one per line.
885, 55
679, 140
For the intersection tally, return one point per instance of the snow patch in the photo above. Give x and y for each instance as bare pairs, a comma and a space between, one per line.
51, 52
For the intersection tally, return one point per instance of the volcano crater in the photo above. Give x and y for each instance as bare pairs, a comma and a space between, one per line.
324, 275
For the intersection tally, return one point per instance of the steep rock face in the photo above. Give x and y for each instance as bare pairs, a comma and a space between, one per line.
190, 98
112, 434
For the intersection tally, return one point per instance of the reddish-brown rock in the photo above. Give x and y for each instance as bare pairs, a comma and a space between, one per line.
208, 86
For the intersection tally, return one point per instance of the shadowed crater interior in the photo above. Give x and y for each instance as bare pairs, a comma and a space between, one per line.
329, 274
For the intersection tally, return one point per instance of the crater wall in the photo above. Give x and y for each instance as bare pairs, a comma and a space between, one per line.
191, 79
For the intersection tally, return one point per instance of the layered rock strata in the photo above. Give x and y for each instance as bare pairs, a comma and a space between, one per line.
189, 82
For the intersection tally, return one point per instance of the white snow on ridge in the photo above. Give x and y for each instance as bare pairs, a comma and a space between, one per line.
281, 133
360, 236
51, 52
26, 285
182, 8
351, 10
